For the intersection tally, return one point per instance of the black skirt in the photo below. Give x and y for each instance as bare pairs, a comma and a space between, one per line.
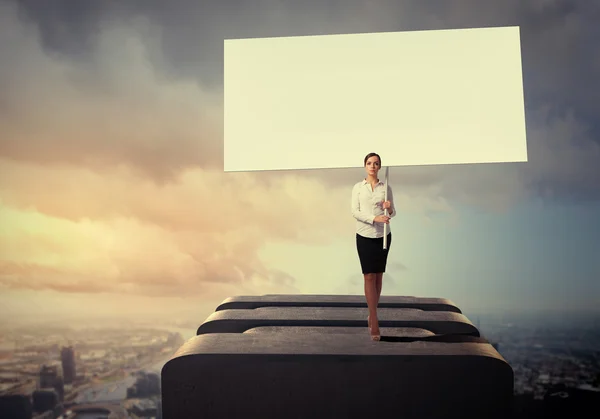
373, 258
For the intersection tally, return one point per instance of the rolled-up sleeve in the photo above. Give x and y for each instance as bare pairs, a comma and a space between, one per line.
391, 199
356, 212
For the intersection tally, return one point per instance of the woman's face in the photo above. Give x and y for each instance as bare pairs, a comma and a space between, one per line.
373, 165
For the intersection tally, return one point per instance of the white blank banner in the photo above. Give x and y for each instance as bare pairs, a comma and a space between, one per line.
416, 98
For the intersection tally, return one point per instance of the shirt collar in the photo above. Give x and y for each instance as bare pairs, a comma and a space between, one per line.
364, 182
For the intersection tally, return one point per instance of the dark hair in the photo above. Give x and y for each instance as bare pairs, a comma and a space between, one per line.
372, 155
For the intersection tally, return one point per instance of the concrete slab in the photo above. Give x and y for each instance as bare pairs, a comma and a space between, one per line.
276, 300
409, 332
239, 321
388, 334
346, 375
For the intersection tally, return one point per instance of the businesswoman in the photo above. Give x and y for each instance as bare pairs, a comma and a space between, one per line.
368, 205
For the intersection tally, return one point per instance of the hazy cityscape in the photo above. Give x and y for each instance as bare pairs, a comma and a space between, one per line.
77, 371
113, 367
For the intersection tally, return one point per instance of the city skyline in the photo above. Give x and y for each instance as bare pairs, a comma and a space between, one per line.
113, 196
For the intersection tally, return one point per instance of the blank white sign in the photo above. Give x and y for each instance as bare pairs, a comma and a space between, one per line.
416, 98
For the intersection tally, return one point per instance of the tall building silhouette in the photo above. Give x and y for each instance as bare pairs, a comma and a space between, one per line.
51, 377
45, 400
16, 406
67, 355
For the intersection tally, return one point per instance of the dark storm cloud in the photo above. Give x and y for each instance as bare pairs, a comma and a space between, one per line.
559, 37
561, 68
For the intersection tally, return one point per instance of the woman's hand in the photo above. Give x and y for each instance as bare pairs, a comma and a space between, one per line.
382, 219
386, 204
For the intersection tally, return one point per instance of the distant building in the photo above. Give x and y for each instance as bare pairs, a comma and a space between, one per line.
45, 400
159, 409
147, 385
145, 408
16, 407
96, 411
46, 415
48, 375
51, 378
67, 355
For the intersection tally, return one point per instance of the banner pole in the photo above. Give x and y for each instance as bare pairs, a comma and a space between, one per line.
385, 226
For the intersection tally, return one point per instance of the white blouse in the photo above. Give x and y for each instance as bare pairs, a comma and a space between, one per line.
367, 204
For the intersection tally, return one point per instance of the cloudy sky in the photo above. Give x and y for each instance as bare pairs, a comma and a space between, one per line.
113, 197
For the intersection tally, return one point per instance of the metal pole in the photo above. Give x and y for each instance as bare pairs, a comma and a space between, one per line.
385, 226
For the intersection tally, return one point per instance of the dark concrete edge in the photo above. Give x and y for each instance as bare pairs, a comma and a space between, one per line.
242, 303
238, 305
195, 344
184, 355
205, 328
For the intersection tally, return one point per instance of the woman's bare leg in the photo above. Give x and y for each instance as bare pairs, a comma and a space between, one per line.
379, 285
371, 296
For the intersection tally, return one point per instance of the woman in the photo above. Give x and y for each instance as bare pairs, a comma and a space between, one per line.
368, 205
